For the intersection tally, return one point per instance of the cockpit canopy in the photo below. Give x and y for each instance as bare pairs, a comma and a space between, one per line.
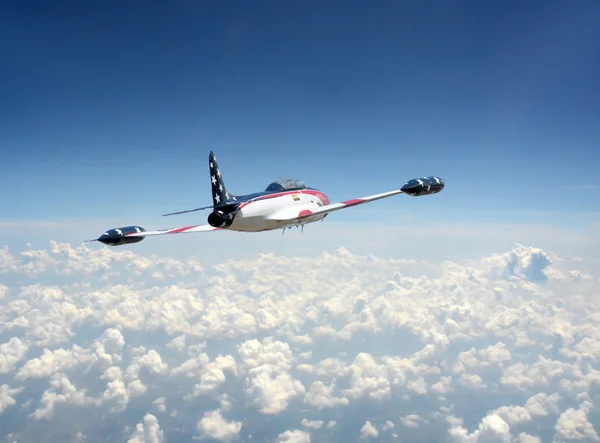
286, 185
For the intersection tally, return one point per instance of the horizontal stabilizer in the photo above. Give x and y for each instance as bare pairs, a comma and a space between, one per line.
189, 210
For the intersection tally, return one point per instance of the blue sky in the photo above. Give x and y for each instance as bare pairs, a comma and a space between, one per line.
110, 109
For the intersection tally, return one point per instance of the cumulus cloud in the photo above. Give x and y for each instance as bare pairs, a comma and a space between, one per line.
369, 431
491, 429
314, 424
6, 399
321, 396
61, 392
159, 404
147, 431
55, 361
573, 424
326, 347
213, 425
269, 381
410, 421
11, 353
388, 426
526, 438
293, 436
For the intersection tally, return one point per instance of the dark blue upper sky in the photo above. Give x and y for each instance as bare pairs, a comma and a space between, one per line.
112, 107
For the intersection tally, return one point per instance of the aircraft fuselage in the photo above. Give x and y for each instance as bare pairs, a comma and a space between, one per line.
260, 212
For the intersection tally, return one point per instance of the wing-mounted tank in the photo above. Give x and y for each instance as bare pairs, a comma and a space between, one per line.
119, 236
423, 186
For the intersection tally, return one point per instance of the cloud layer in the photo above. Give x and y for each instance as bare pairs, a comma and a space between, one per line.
99, 344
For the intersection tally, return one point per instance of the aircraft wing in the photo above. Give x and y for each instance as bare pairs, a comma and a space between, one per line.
135, 234
182, 230
336, 207
415, 187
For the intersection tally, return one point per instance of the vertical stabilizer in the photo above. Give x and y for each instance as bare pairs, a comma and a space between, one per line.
219, 191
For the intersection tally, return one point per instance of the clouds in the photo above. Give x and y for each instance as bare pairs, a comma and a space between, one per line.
335, 346
213, 425
294, 436
6, 399
11, 353
573, 424
491, 429
148, 431
322, 396
61, 391
369, 431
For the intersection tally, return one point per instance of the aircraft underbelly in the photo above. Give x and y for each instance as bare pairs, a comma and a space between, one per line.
261, 215
252, 217
274, 220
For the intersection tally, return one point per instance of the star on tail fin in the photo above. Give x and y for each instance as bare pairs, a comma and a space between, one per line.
219, 191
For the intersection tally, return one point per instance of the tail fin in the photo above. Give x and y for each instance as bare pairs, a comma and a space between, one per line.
219, 191
220, 195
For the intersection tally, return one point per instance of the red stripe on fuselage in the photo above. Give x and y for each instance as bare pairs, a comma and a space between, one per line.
304, 212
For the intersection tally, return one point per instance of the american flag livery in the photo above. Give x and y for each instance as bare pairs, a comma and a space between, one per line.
219, 191
282, 205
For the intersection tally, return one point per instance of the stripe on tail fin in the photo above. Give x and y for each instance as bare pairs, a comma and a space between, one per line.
219, 191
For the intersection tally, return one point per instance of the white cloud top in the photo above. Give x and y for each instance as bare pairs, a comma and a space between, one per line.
331, 347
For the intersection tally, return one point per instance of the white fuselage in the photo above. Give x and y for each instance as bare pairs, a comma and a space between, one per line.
263, 213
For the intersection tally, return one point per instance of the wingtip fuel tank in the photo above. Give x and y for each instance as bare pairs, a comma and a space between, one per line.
119, 236
417, 187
